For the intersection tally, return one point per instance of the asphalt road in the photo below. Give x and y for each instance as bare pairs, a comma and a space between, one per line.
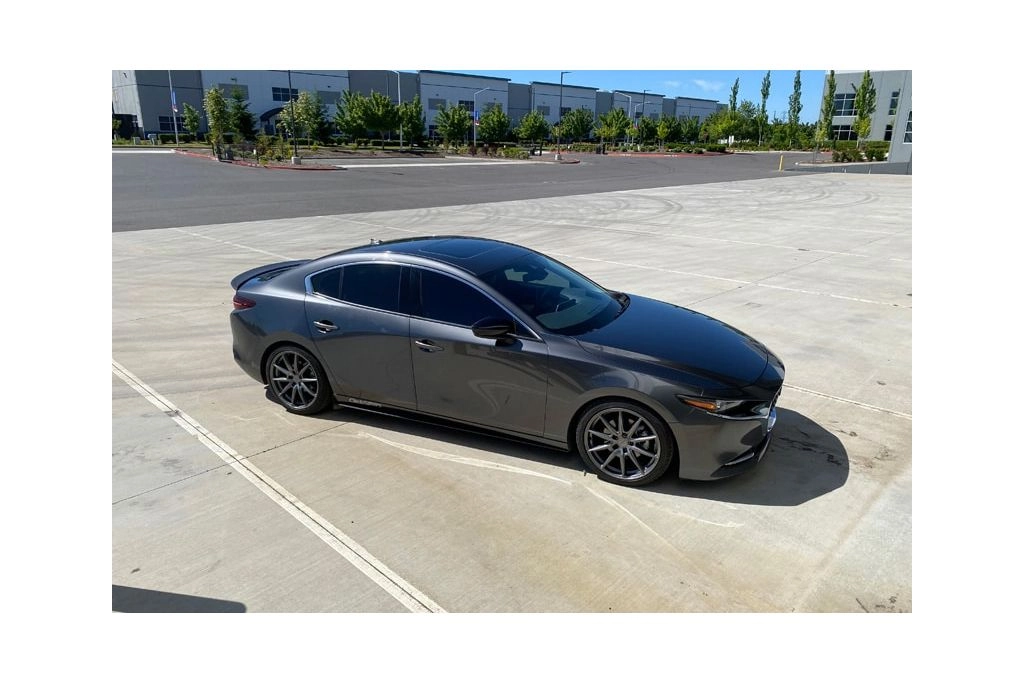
169, 190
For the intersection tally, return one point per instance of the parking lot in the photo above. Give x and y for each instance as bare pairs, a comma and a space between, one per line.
222, 501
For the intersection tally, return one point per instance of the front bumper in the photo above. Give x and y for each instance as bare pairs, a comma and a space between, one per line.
711, 447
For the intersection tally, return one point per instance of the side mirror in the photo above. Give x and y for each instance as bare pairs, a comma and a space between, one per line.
494, 328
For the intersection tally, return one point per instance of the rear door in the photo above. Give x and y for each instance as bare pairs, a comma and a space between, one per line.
355, 320
499, 384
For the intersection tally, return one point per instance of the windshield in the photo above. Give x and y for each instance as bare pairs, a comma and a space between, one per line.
557, 297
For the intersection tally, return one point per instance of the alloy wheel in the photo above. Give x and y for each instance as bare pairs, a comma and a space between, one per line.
622, 444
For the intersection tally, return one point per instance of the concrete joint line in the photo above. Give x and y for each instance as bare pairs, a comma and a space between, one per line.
410, 597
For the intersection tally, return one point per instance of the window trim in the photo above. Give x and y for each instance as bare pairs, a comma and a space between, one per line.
517, 319
311, 292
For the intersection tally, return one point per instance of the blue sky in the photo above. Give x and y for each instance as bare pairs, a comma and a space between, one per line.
711, 85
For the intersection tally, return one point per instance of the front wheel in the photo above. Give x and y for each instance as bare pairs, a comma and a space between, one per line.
298, 381
624, 443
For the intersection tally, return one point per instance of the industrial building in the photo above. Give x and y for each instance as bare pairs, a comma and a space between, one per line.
152, 102
893, 117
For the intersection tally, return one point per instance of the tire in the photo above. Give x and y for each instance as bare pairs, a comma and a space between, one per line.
624, 443
297, 381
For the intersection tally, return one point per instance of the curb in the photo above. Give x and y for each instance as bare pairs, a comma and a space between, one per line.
250, 164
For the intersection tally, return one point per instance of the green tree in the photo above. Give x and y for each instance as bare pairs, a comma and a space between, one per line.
349, 118
823, 132
412, 121
665, 127
864, 106
533, 127
613, 125
646, 129
578, 124
240, 119
747, 129
452, 123
216, 117
494, 124
380, 114
689, 128
794, 108
762, 113
312, 115
117, 124
732, 95
190, 117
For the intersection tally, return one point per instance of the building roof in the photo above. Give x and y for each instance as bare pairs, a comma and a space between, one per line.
454, 73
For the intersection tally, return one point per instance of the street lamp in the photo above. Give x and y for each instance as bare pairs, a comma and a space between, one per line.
400, 138
291, 102
475, 117
558, 135
630, 108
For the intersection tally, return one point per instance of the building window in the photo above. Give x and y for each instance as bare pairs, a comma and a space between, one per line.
543, 110
435, 103
893, 101
907, 134
229, 89
845, 132
167, 124
467, 105
888, 132
844, 105
281, 94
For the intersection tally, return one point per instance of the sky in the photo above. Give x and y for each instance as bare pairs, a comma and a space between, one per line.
708, 85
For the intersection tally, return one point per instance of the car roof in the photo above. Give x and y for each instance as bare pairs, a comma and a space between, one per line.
475, 255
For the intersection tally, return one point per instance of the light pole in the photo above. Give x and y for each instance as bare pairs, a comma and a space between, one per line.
558, 135
630, 107
400, 138
291, 102
475, 117
174, 107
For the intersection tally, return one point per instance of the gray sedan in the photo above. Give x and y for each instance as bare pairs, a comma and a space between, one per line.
496, 336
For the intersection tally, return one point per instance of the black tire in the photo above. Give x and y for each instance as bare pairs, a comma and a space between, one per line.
297, 381
624, 443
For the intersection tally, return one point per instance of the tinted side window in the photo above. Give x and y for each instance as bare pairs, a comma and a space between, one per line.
447, 300
327, 283
372, 284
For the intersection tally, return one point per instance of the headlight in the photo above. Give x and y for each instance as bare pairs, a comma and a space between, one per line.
712, 405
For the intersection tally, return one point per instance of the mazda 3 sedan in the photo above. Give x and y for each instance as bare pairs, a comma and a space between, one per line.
492, 335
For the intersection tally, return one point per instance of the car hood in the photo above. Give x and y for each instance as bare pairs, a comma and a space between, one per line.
673, 336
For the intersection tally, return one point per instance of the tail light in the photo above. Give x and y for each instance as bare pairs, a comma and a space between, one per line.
241, 302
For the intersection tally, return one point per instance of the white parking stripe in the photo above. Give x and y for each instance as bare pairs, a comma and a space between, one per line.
413, 599
867, 406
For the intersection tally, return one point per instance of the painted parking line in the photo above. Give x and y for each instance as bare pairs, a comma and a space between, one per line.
413, 599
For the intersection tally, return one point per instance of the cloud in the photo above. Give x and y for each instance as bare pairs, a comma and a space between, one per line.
671, 84
709, 86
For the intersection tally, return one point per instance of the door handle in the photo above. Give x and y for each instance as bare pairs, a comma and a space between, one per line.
425, 345
324, 326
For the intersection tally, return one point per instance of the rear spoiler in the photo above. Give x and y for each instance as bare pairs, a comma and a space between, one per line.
242, 278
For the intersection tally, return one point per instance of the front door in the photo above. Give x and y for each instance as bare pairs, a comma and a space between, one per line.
498, 384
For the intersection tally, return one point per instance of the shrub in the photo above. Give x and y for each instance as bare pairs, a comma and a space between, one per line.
514, 153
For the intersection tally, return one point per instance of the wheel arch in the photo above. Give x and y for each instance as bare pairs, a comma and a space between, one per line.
622, 397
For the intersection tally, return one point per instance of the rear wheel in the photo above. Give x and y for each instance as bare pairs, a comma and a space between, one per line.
298, 381
624, 443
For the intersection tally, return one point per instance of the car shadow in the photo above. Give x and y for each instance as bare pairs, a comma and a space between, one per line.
142, 600
803, 462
